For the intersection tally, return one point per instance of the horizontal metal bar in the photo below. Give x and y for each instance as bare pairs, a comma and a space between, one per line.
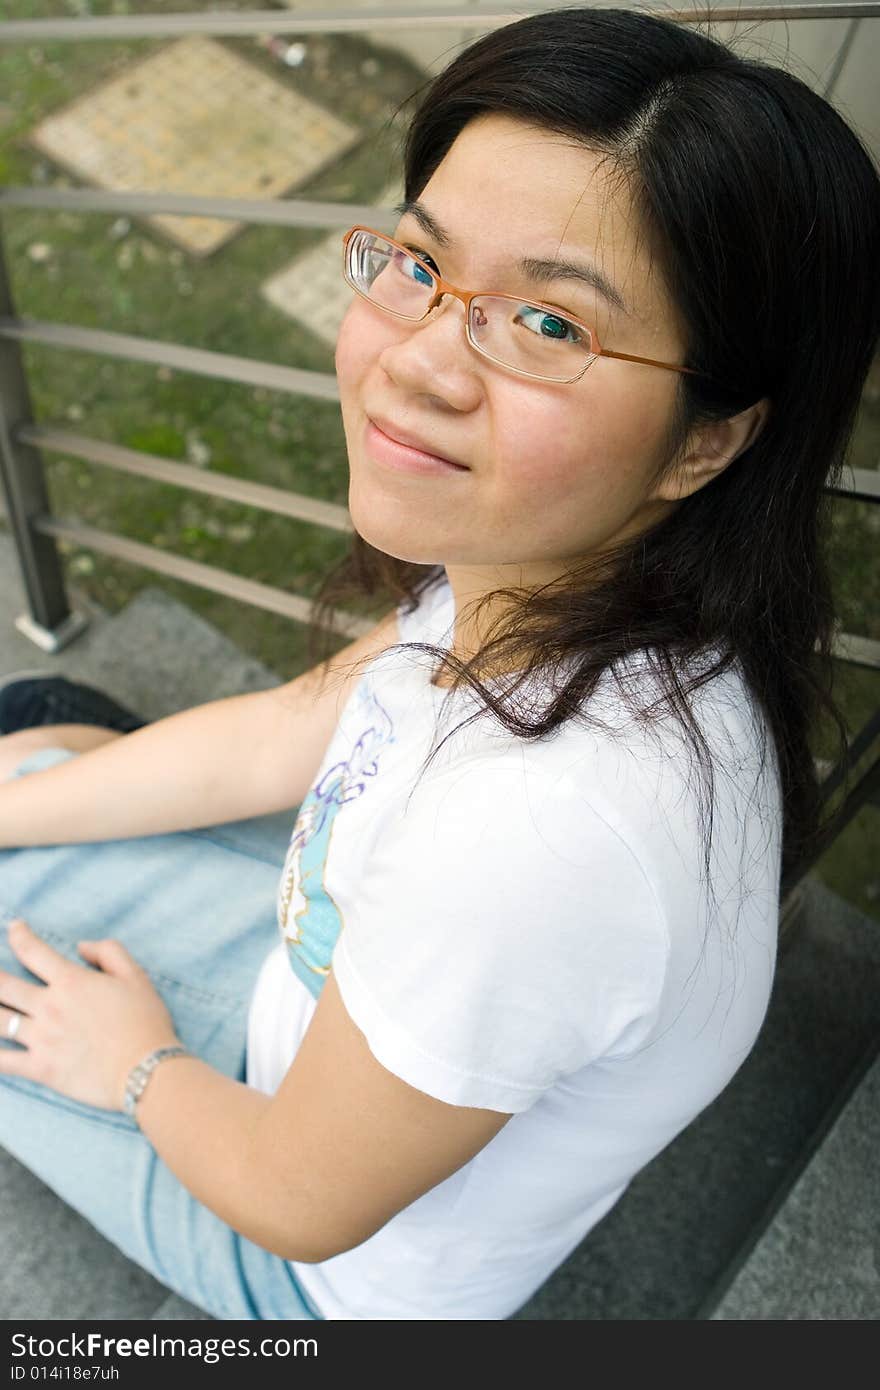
163, 470
861, 484
221, 365
865, 485
279, 212
193, 572
855, 751
857, 651
341, 21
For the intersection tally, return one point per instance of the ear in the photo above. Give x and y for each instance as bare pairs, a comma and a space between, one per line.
711, 448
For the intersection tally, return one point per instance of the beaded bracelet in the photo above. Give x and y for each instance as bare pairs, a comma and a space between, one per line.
138, 1077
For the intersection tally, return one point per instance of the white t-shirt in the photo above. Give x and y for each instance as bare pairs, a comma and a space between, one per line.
527, 931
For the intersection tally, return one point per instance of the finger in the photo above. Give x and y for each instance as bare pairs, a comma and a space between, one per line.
40, 958
19, 1030
15, 1061
19, 994
110, 956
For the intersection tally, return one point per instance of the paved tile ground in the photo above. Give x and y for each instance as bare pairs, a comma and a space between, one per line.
195, 118
311, 289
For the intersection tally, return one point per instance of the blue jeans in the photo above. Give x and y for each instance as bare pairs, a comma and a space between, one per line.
197, 909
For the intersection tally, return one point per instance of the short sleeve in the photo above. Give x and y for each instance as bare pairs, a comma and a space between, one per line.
502, 937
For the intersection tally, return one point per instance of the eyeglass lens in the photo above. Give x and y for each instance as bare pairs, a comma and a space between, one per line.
518, 334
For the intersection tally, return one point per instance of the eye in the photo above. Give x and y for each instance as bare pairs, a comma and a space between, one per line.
416, 270
549, 325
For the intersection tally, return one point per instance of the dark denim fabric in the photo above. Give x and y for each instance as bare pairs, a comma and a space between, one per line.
25, 704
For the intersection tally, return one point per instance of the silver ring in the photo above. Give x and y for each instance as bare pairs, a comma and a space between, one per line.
13, 1026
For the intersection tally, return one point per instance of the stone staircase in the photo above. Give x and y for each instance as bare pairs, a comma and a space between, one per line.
768, 1206
814, 1253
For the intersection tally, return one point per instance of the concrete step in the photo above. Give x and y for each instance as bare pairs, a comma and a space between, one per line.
157, 656
814, 1253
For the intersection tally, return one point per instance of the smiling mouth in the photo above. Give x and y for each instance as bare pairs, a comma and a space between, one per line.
396, 453
413, 445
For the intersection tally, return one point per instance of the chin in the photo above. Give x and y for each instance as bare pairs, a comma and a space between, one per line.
384, 525
389, 540
398, 547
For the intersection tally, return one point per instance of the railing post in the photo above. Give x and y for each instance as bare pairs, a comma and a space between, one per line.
50, 623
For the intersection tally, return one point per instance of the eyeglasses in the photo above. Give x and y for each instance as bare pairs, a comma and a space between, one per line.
532, 339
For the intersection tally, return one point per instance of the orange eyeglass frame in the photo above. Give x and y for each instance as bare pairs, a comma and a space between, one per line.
444, 287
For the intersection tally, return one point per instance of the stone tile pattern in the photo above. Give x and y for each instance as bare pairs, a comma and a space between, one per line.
311, 288
195, 118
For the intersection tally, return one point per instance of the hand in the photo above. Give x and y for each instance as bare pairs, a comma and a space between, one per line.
84, 1029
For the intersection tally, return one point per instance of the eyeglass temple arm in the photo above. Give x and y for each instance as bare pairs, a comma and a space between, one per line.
648, 361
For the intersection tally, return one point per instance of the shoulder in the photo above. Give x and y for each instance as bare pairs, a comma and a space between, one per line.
496, 901
714, 719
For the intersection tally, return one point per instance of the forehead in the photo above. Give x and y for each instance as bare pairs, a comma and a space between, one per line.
506, 189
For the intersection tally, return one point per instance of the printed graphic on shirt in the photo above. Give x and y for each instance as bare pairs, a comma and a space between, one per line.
308, 918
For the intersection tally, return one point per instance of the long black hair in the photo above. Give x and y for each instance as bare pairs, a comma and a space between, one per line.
763, 209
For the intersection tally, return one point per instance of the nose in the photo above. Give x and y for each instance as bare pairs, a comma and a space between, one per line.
433, 357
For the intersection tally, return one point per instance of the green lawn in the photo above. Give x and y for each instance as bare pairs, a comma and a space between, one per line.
140, 283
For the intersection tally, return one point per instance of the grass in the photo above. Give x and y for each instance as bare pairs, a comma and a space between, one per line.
79, 269
97, 273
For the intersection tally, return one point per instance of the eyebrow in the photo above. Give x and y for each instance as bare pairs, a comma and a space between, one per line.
538, 270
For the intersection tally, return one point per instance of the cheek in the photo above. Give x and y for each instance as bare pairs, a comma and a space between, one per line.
353, 346
548, 450
363, 336
610, 436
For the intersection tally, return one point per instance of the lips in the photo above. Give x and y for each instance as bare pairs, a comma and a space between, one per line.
412, 441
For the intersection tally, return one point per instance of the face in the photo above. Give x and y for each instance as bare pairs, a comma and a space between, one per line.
553, 472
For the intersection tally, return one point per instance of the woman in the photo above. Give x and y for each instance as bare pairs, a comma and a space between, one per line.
592, 390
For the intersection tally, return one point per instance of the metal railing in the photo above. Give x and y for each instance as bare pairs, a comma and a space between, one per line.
50, 621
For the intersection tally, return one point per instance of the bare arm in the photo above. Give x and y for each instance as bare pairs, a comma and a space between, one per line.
230, 759
320, 1166
312, 1171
